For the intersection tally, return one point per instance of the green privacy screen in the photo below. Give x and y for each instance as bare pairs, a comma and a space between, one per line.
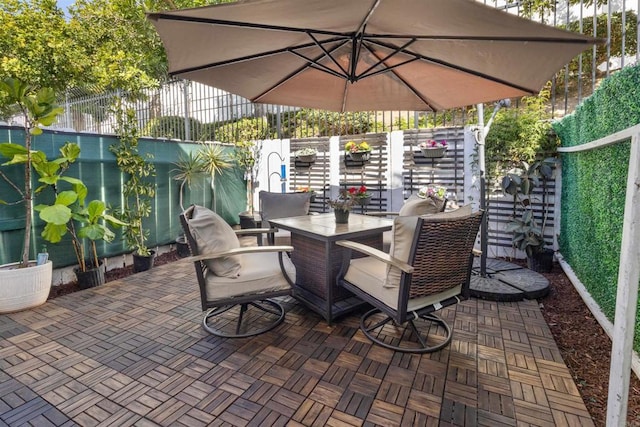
98, 170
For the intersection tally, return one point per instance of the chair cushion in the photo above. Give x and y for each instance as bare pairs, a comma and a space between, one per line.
283, 205
260, 274
368, 274
404, 228
212, 234
415, 205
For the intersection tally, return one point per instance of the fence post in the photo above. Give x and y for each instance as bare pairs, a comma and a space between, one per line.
626, 296
187, 122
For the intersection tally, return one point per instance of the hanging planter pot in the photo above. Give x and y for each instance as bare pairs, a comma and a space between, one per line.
434, 152
360, 156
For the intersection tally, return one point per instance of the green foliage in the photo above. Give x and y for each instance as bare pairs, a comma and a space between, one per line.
519, 135
308, 123
35, 45
38, 109
137, 190
630, 41
245, 129
173, 127
528, 231
594, 185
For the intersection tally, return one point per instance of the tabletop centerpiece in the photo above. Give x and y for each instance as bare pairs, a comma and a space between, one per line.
359, 152
432, 148
342, 206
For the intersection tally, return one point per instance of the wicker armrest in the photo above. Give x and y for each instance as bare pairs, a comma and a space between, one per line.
377, 254
242, 250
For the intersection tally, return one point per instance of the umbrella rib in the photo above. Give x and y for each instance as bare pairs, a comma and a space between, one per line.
311, 63
170, 17
200, 20
317, 66
255, 56
458, 68
410, 87
326, 53
366, 73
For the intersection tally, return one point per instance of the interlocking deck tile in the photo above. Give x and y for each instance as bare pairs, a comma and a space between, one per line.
132, 352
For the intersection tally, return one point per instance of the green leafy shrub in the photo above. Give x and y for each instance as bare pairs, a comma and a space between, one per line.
173, 127
594, 186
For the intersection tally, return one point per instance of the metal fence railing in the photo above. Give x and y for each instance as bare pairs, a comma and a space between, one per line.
192, 111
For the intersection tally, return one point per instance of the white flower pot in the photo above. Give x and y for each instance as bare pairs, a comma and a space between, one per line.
23, 288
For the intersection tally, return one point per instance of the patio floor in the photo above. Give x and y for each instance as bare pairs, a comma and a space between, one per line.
132, 352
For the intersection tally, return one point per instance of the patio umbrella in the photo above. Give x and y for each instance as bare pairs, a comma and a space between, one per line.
358, 55
363, 55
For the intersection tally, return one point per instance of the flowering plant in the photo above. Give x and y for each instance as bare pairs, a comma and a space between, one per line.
354, 147
432, 191
344, 202
432, 143
303, 189
359, 193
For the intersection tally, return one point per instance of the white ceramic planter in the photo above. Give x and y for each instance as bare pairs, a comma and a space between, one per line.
23, 288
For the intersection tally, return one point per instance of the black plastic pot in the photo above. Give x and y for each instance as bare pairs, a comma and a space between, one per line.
143, 263
91, 278
182, 247
542, 261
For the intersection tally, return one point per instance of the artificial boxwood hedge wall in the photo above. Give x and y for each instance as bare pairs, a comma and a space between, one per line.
594, 186
97, 168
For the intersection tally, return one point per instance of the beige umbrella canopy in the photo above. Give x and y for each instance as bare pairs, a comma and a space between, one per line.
356, 55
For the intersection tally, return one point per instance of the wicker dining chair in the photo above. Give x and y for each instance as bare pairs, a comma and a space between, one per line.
428, 268
237, 284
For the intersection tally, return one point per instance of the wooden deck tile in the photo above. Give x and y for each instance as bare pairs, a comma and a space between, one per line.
132, 352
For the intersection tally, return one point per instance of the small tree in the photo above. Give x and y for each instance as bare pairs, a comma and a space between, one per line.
38, 109
247, 156
137, 191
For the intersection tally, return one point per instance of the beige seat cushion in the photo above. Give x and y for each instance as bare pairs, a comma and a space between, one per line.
212, 234
260, 273
369, 274
413, 206
404, 228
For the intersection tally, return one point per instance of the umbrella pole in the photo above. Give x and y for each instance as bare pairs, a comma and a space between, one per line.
482, 131
480, 139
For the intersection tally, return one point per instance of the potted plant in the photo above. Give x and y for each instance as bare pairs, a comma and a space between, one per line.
247, 156
69, 214
359, 152
360, 195
26, 284
306, 155
528, 231
432, 148
342, 206
137, 190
